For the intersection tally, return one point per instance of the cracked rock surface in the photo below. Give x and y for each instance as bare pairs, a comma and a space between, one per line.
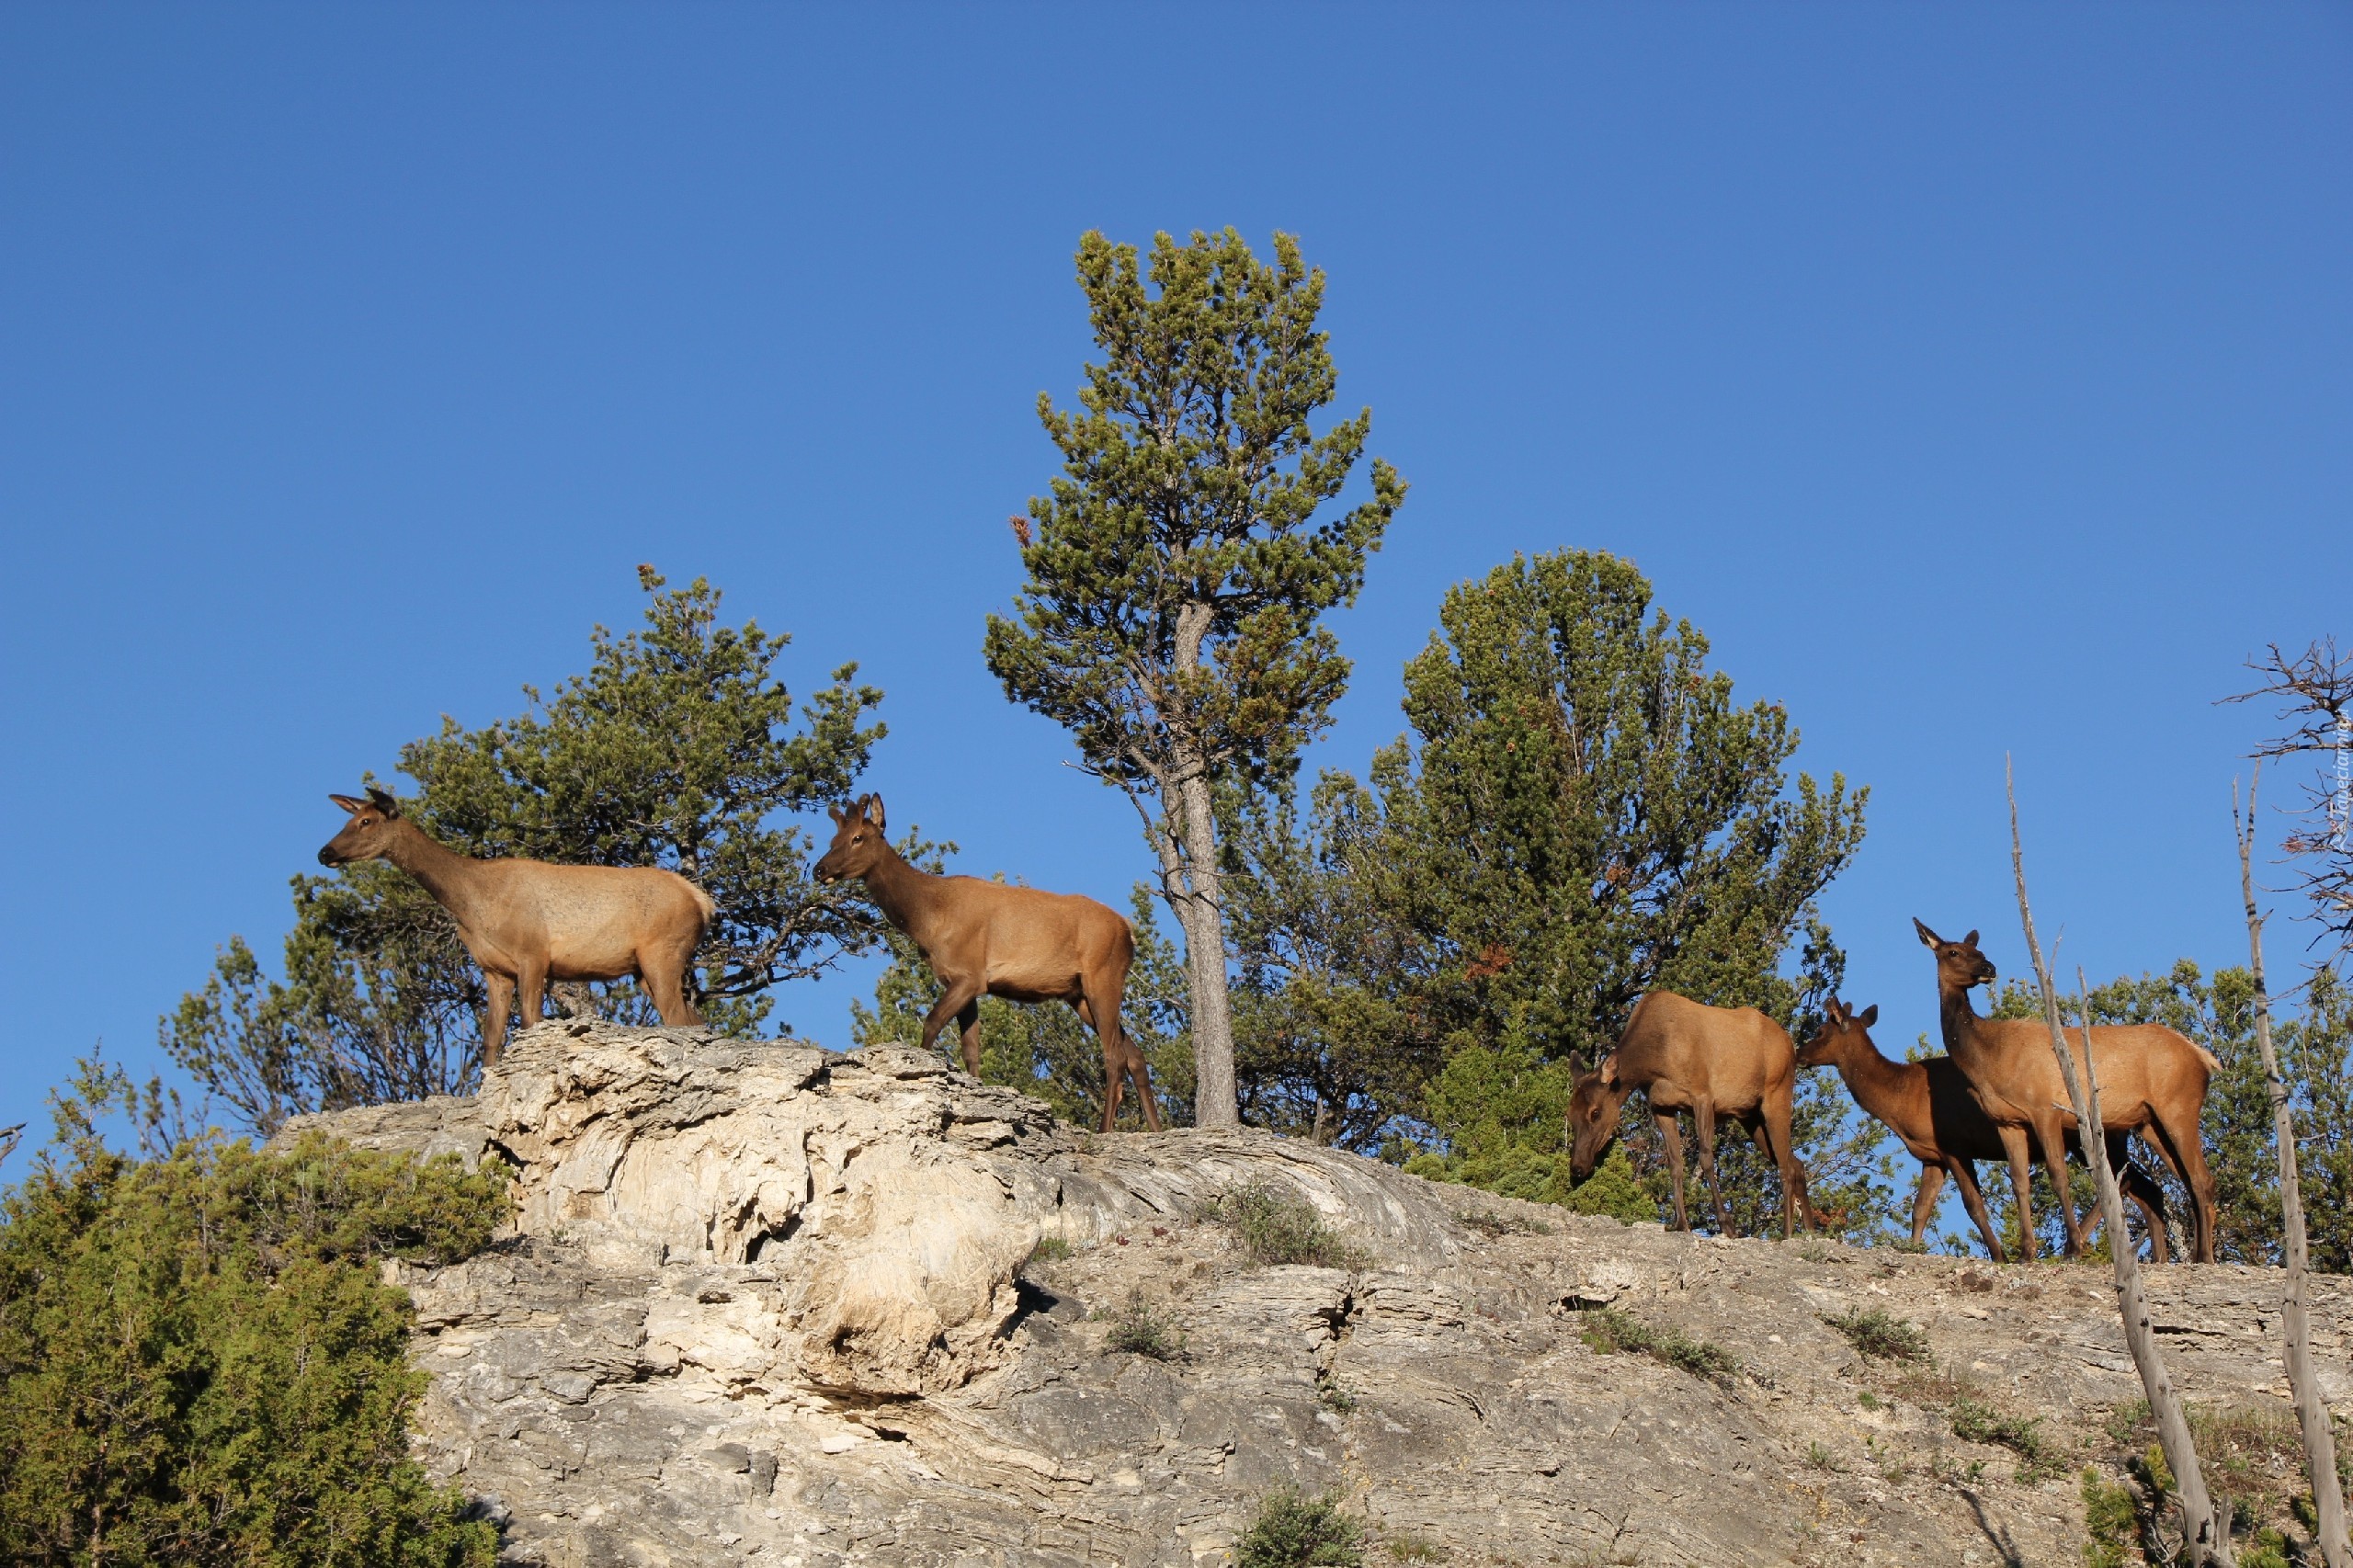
768, 1304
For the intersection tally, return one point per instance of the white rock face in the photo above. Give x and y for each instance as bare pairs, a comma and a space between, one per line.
769, 1305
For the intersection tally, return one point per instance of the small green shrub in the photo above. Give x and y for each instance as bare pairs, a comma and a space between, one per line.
199, 1363
1974, 1421
2110, 1520
1137, 1329
1050, 1249
1411, 1549
1610, 1331
1295, 1529
1275, 1225
1819, 1458
1881, 1337
2264, 1549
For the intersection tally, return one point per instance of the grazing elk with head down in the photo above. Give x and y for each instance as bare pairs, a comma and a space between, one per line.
526, 922
1714, 1061
987, 939
2152, 1081
1932, 1107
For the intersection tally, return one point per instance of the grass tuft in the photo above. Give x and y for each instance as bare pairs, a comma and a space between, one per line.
1974, 1421
1881, 1337
1138, 1330
1610, 1331
1275, 1225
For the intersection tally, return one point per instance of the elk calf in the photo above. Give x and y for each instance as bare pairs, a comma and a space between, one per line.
1685, 1055
526, 922
988, 939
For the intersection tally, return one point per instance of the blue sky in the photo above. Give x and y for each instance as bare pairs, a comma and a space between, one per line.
1977, 377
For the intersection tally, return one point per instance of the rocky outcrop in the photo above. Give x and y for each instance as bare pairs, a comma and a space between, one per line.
767, 1304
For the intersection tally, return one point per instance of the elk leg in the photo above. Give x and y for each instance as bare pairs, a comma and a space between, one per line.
968, 1035
2189, 1158
1964, 1176
1703, 1122
500, 1003
1671, 1134
664, 977
2014, 1144
1098, 1005
532, 989
2146, 1194
1778, 1116
960, 994
2049, 1133
1924, 1202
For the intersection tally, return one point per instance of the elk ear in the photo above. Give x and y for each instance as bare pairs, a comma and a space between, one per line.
383, 802
1970, 940
347, 803
1834, 1012
1869, 1016
1927, 938
1608, 1071
874, 812
837, 814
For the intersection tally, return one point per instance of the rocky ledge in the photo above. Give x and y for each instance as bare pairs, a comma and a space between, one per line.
770, 1305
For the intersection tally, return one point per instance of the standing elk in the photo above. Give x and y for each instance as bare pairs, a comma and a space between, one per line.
988, 939
526, 922
1685, 1055
1931, 1106
2152, 1081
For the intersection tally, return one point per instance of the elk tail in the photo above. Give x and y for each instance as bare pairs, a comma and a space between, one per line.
709, 910
2213, 1062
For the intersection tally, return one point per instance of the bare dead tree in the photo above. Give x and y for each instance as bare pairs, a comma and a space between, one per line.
2314, 691
2206, 1536
2303, 1382
8, 1136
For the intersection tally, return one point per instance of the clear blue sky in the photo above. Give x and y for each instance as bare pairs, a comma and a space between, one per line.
1978, 377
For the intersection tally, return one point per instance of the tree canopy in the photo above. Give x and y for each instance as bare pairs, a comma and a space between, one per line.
678, 748
1177, 571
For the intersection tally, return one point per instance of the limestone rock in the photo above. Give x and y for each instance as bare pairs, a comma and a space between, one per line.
770, 1305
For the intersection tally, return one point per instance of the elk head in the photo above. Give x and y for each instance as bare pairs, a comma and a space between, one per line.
1959, 964
1595, 1101
859, 845
1840, 1027
368, 835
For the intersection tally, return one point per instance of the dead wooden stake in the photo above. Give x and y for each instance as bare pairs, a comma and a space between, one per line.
2303, 1382
2206, 1539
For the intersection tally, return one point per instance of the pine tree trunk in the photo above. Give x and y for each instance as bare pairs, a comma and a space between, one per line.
1203, 915
2303, 1382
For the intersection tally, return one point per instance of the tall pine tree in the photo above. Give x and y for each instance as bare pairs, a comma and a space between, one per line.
1177, 573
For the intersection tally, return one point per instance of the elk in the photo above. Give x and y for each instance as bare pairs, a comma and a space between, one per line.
526, 922
2152, 1081
988, 939
1685, 1055
1931, 1106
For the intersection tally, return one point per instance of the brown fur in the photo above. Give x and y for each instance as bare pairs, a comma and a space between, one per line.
988, 939
2152, 1081
1685, 1055
526, 922
1931, 1106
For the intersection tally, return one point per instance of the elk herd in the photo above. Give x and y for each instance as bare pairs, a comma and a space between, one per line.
1997, 1093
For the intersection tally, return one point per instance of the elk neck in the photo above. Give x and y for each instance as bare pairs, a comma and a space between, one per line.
1877, 1084
899, 890
1959, 1022
446, 874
